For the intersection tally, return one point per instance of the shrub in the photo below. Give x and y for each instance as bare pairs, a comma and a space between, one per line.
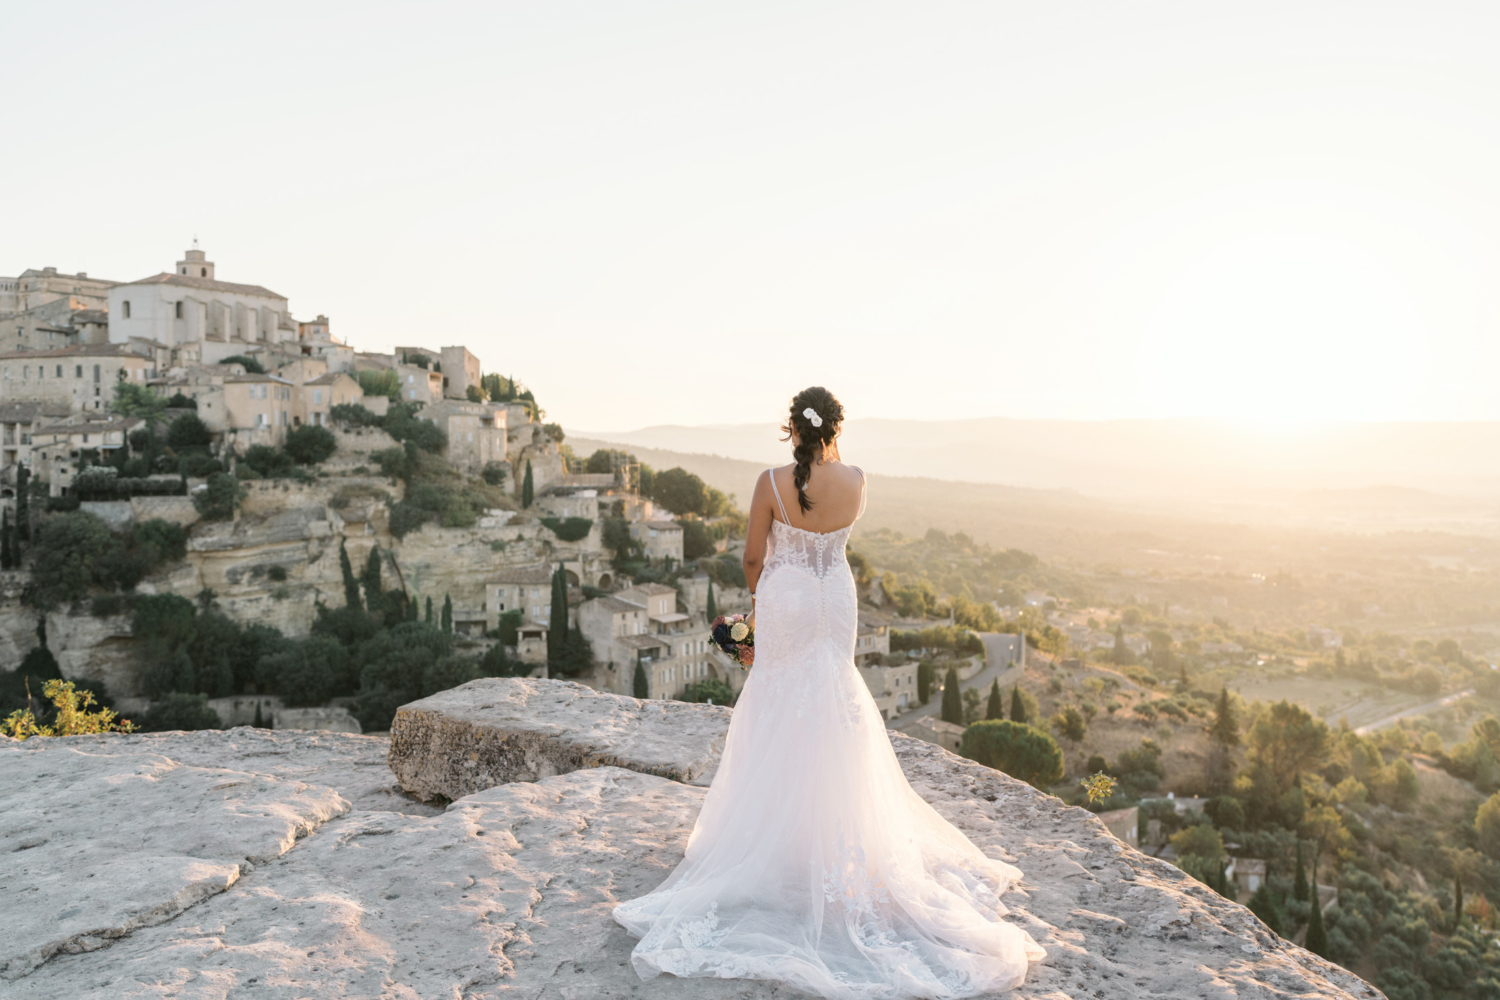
356, 491
952, 637
188, 431
1019, 750
495, 473
71, 715
1069, 723
709, 689
380, 383
310, 444
449, 672
198, 466
161, 541
218, 499
277, 574
680, 492
65, 552
353, 413
180, 711
571, 529
268, 462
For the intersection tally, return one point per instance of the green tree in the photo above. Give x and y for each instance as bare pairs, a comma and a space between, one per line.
1299, 880
925, 677
953, 705
310, 444
383, 382
995, 707
1458, 901
1070, 724
474, 394
1019, 750
528, 487
351, 585
1286, 742
697, 540
7, 553
23, 507
219, 497
713, 608
496, 662
181, 711
557, 622
1121, 654
187, 431
447, 623
1406, 788
449, 672
429, 610
135, 400
1018, 711
1225, 730
641, 688
1317, 935
1487, 825
1266, 905
1201, 841
680, 492
66, 550
370, 579
575, 658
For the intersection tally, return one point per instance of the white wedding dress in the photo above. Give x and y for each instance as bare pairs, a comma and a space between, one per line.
813, 862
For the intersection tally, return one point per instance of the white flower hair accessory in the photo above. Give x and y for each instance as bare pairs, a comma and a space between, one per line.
812, 417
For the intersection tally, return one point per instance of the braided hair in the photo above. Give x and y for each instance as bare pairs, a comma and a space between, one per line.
811, 439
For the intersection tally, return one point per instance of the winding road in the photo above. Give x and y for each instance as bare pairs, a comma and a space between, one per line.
1391, 720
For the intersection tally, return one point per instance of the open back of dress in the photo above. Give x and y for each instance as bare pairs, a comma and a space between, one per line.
812, 861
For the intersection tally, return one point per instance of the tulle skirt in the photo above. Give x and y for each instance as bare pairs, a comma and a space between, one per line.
813, 862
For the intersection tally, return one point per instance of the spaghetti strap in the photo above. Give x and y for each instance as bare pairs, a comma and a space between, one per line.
863, 491
771, 474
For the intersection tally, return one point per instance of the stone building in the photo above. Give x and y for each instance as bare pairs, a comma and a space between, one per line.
313, 399
642, 626
82, 377
893, 686
60, 451
524, 588
200, 319
419, 385
19, 423
476, 432
259, 409
45, 310
659, 540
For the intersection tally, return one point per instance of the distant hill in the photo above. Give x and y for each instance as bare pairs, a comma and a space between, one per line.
1180, 459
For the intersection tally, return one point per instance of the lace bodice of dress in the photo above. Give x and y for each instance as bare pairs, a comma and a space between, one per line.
818, 552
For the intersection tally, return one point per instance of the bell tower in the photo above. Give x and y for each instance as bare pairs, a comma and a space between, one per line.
195, 263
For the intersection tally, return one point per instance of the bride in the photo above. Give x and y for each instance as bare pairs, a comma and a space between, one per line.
813, 863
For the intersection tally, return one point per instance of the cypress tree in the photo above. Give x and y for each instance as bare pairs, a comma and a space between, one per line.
713, 608
259, 722
429, 609
1017, 706
23, 506
642, 688
411, 609
1317, 936
1226, 728
1263, 904
447, 614
1299, 883
557, 622
351, 585
7, 557
995, 707
1458, 901
374, 595
953, 706
528, 487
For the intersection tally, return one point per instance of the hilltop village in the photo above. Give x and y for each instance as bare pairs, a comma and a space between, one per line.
250, 468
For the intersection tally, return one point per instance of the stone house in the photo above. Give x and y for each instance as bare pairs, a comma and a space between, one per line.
199, 318
259, 409
419, 385
476, 431
43, 309
527, 588
59, 451
19, 423
894, 687
82, 377
659, 540
315, 340
934, 730
642, 626
314, 398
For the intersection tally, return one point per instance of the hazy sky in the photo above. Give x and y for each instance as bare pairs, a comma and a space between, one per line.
657, 212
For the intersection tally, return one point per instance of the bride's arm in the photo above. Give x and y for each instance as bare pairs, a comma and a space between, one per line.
758, 530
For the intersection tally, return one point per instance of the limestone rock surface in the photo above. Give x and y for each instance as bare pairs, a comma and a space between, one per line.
500, 729
507, 892
98, 841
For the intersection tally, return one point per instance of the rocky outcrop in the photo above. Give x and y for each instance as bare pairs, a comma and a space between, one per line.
508, 890
498, 730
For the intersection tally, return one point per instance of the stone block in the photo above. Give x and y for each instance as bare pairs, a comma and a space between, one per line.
501, 729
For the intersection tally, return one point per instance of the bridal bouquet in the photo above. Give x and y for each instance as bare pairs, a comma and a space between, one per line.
733, 634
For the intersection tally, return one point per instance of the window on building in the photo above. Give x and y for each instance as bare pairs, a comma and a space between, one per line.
178, 309
317, 395
78, 371
126, 305
96, 376
59, 371
202, 272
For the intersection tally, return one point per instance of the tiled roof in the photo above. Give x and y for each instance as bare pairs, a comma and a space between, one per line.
641, 641
206, 284
329, 379
652, 588
25, 413
258, 378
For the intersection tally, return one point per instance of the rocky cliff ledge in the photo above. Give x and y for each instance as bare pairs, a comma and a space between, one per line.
290, 864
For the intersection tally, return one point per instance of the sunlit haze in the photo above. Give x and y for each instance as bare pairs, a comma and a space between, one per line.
680, 213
